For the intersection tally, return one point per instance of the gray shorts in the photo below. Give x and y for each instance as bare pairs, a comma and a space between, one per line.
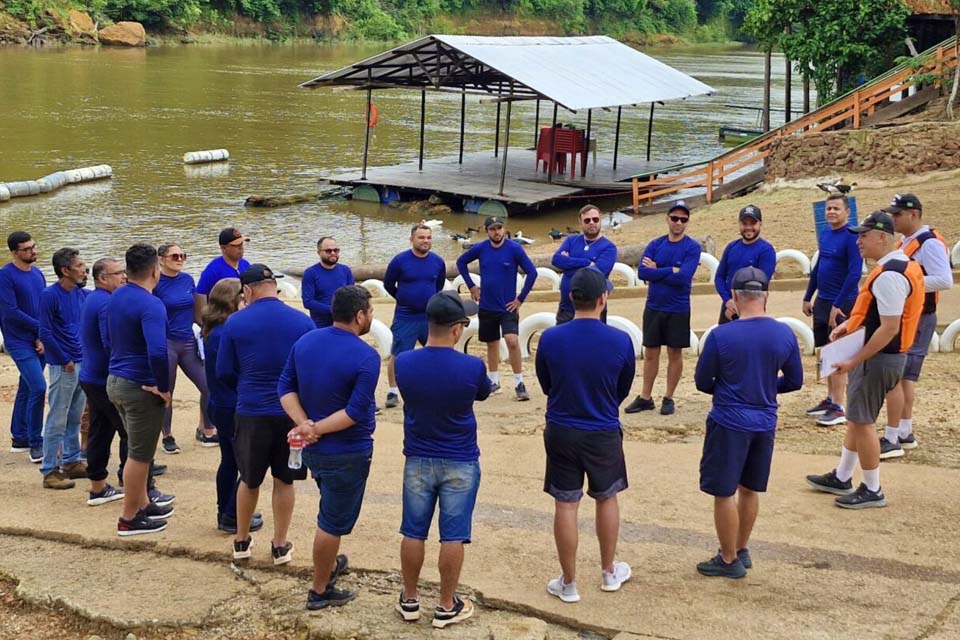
869, 383
916, 353
142, 414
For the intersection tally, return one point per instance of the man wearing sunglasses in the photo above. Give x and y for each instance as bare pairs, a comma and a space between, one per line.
668, 265
588, 249
321, 281
230, 264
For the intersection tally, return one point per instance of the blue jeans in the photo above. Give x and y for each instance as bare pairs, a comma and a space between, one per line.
453, 483
26, 423
62, 430
342, 480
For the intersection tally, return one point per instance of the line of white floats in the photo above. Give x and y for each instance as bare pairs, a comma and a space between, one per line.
54, 181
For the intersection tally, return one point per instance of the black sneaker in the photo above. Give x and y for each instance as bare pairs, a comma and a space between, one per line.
910, 442
715, 567
36, 455
282, 554
160, 498
343, 565
521, 390
170, 445
207, 441
461, 610
667, 407
393, 400
745, 559
107, 494
494, 388
641, 404
862, 498
228, 524
154, 511
19, 446
331, 597
139, 526
890, 450
241, 548
829, 483
409, 610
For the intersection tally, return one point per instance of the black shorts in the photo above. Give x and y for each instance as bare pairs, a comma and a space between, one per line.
732, 457
821, 319
571, 453
495, 323
666, 329
260, 443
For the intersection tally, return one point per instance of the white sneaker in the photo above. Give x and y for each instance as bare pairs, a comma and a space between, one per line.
566, 592
613, 581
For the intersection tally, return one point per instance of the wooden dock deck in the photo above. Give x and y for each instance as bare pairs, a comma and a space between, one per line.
478, 177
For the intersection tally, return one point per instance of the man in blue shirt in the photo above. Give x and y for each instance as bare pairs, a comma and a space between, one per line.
583, 435
321, 280
835, 280
668, 265
439, 386
230, 264
588, 249
739, 367
749, 251
254, 347
333, 409
20, 286
499, 258
412, 277
60, 305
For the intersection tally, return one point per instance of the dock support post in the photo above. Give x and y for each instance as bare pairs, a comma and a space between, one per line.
536, 126
553, 144
496, 136
650, 129
616, 139
463, 115
506, 142
765, 114
423, 117
586, 142
366, 134
788, 92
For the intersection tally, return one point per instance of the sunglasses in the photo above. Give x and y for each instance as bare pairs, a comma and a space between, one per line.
331, 250
591, 220
679, 219
176, 256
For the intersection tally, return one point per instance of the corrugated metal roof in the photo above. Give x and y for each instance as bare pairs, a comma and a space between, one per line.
577, 73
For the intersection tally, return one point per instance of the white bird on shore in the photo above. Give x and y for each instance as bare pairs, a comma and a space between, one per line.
522, 239
432, 224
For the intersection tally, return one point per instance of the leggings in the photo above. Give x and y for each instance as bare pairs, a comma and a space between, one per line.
227, 473
184, 353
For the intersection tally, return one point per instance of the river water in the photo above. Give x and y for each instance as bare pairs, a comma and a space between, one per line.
140, 110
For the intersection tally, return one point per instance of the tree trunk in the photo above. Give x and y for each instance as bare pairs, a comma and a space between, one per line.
956, 70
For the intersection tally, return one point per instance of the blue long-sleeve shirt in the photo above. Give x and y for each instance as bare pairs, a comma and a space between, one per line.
221, 395
216, 270
412, 281
586, 369
347, 380
95, 338
254, 347
20, 305
739, 366
317, 289
736, 256
137, 322
439, 386
498, 273
838, 270
668, 290
600, 253
177, 295
60, 324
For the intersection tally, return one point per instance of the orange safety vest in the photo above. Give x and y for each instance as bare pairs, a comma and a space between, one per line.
866, 313
933, 297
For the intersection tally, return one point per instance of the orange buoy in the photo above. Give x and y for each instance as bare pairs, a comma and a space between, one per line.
373, 116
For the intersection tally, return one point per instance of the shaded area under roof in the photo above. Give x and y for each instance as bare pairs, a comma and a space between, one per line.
588, 72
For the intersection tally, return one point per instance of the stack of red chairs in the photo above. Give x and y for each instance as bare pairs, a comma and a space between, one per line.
569, 142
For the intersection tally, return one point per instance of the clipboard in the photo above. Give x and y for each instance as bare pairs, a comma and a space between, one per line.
839, 350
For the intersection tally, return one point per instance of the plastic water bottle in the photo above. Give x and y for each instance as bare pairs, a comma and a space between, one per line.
295, 461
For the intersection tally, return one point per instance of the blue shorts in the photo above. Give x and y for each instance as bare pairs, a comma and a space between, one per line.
407, 333
341, 479
455, 484
732, 457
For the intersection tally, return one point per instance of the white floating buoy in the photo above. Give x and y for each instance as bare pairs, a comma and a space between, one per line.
803, 332
694, 342
24, 188
533, 325
210, 155
375, 287
470, 332
710, 262
795, 256
382, 337
626, 271
631, 329
549, 275
86, 174
949, 337
448, 286
53, 182
287, 290
4, 192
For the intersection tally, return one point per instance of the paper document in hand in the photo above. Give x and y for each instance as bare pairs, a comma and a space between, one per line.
839, 350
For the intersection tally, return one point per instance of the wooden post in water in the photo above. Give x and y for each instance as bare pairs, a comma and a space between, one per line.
366, 134
506, 142
536, 126
586, 141
788, 92
650, 130
423, 118
496, 136
765, 114
553, 143
463, 115
616, 139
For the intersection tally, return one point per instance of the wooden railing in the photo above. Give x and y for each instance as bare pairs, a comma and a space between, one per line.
848, 110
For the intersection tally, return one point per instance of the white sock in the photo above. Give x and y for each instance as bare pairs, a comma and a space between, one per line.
871, 478
891, 434
848, 462
517, 379
906, 427
395, 390
494, 377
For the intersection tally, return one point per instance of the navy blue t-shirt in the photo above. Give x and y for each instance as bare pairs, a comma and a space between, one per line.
498, 272
412, 281
317, 289
600, 253
439, 386
138, 336
254, 347
20, 305
586, 369
669, 291
739, 366
332, 369
95, 338
60, 324
838, 270
736, 256
221, 395
177, 296
217, 270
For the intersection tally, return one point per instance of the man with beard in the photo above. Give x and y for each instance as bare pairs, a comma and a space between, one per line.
21, 284
749, 251
588, 249
499, 301
412, 278
321, 280
230, 264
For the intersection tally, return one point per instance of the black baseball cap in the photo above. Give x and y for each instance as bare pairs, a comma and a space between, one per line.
750, 279
905, 201
258, 273
492, 221
876, 221
447, 307
751, 211
230, 234
588, 284
679, 204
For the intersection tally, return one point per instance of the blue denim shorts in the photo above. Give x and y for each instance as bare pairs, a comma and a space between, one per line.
455, 484
341, 479
407, 333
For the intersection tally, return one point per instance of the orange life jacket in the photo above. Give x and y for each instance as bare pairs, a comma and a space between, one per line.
866, 313
933, 297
